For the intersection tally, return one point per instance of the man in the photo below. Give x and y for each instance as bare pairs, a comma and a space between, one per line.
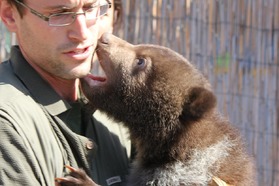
39, 95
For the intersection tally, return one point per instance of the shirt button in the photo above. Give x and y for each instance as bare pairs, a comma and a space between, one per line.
89, 145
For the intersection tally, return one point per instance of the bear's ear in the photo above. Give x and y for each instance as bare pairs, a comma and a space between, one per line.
199, 101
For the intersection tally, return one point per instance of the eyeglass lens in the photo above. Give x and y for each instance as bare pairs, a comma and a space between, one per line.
69, 17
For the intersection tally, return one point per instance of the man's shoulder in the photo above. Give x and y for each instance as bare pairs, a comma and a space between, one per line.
15, 99
18, 107
10, 86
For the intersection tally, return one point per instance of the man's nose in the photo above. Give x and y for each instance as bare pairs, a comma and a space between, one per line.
80, 27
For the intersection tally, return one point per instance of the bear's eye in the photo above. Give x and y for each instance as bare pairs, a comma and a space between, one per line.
139, 65
140, 62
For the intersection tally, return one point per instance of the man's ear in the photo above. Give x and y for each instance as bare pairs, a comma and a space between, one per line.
7, 13
198, 102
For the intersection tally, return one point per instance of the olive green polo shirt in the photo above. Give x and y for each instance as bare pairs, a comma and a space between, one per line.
33, 128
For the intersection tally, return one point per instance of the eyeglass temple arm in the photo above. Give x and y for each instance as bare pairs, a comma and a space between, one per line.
40, 15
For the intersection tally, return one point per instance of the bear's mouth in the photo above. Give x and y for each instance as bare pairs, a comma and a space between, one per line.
103, 64
93, 80
96, 78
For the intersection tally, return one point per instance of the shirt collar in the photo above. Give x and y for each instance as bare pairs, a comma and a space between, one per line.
40, 90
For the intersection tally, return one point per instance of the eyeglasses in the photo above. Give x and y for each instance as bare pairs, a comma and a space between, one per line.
67, 18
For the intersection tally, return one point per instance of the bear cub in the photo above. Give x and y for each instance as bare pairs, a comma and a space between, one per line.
171, 113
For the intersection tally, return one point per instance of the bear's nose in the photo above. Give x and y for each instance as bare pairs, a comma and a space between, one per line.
105, 38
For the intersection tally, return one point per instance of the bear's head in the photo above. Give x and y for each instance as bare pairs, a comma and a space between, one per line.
147, 83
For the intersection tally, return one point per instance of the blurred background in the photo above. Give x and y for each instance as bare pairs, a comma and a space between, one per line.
235, 43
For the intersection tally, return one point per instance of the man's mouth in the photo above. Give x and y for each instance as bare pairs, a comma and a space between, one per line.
80, 53
78, 50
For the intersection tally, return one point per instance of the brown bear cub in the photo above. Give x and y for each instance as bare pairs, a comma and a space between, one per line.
171, 113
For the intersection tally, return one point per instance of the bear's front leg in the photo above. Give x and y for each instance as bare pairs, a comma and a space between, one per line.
75, 177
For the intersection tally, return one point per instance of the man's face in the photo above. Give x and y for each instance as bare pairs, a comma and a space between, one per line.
106, 25
65, 52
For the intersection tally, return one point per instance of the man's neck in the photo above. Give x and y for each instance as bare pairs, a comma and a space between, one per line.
66, 88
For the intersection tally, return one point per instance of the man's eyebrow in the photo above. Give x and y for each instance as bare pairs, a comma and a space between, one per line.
91, 2
59, 7
70, 7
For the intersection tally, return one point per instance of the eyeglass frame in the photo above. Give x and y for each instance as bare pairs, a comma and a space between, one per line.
75, 14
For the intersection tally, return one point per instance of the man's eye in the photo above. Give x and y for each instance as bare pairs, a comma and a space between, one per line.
89, 9
92, 6
58, 12
61, 10
61, 14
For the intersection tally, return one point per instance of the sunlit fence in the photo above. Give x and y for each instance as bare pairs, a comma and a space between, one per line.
235, 43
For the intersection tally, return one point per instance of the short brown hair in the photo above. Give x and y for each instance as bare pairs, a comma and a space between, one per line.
18, 7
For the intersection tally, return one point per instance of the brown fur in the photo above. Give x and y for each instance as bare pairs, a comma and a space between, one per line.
171, 113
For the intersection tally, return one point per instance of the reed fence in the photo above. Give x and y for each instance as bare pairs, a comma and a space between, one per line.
235, 43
